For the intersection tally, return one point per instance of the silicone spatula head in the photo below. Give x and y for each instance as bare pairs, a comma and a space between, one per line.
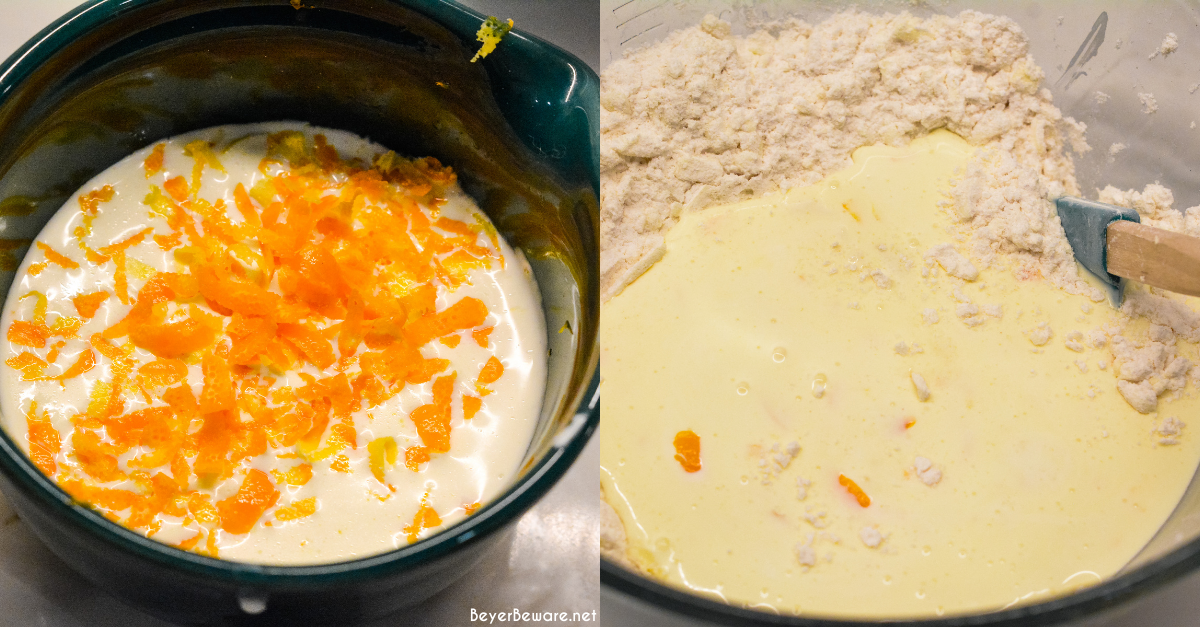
1086, 224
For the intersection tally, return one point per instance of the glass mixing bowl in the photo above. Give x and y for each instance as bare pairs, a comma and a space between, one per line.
1163, 147
520, 129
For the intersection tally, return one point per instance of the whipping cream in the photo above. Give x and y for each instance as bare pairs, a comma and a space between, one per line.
365, 495
885, 428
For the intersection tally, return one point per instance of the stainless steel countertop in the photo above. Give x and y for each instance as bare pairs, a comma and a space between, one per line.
550, 563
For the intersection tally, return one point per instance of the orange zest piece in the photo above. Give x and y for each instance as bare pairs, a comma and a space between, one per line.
52, 356
175, 339
28, 334
44, 440
687, 450
245, 206
294, 476
414, 456
91, 255
127, 243
201, 508
202, 152
117, 253
433, 420
30, 365
855, 491
34, 333
66, 327
490, 373
465, 314
96, 457
162, 372
87, 304
316, 349
86, 361
218, 393
177, 188
56, 257
154, 163
481, 336
39, 307
167, 242
471, 406
425, 518
90, 202
382, 451
239, 512
299, 509
459, 264
190, 543
909, 423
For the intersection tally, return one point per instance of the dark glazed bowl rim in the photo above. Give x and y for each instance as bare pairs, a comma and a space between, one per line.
500, 512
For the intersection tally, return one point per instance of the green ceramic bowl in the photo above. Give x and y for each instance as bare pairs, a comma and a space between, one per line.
520, 128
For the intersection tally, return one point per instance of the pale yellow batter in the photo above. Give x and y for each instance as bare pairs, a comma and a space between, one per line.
818, 319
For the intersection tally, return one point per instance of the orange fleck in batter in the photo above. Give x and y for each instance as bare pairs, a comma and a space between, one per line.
687, 450
855, 491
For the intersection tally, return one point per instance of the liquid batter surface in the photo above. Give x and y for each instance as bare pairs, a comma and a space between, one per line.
276, 344
837, 343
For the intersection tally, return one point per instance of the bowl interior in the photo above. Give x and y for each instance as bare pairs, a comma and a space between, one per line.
1160, 148
519, 129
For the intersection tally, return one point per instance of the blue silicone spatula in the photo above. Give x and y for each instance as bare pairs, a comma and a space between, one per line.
1112, 244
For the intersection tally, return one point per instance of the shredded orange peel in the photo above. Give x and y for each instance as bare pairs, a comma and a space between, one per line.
323, 262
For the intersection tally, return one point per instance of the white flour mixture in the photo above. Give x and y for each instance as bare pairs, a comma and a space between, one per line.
705, 118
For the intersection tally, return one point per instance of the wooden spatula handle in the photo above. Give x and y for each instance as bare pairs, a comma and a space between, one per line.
1155, 257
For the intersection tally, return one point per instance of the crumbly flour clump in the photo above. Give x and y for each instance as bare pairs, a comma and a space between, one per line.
704, 118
